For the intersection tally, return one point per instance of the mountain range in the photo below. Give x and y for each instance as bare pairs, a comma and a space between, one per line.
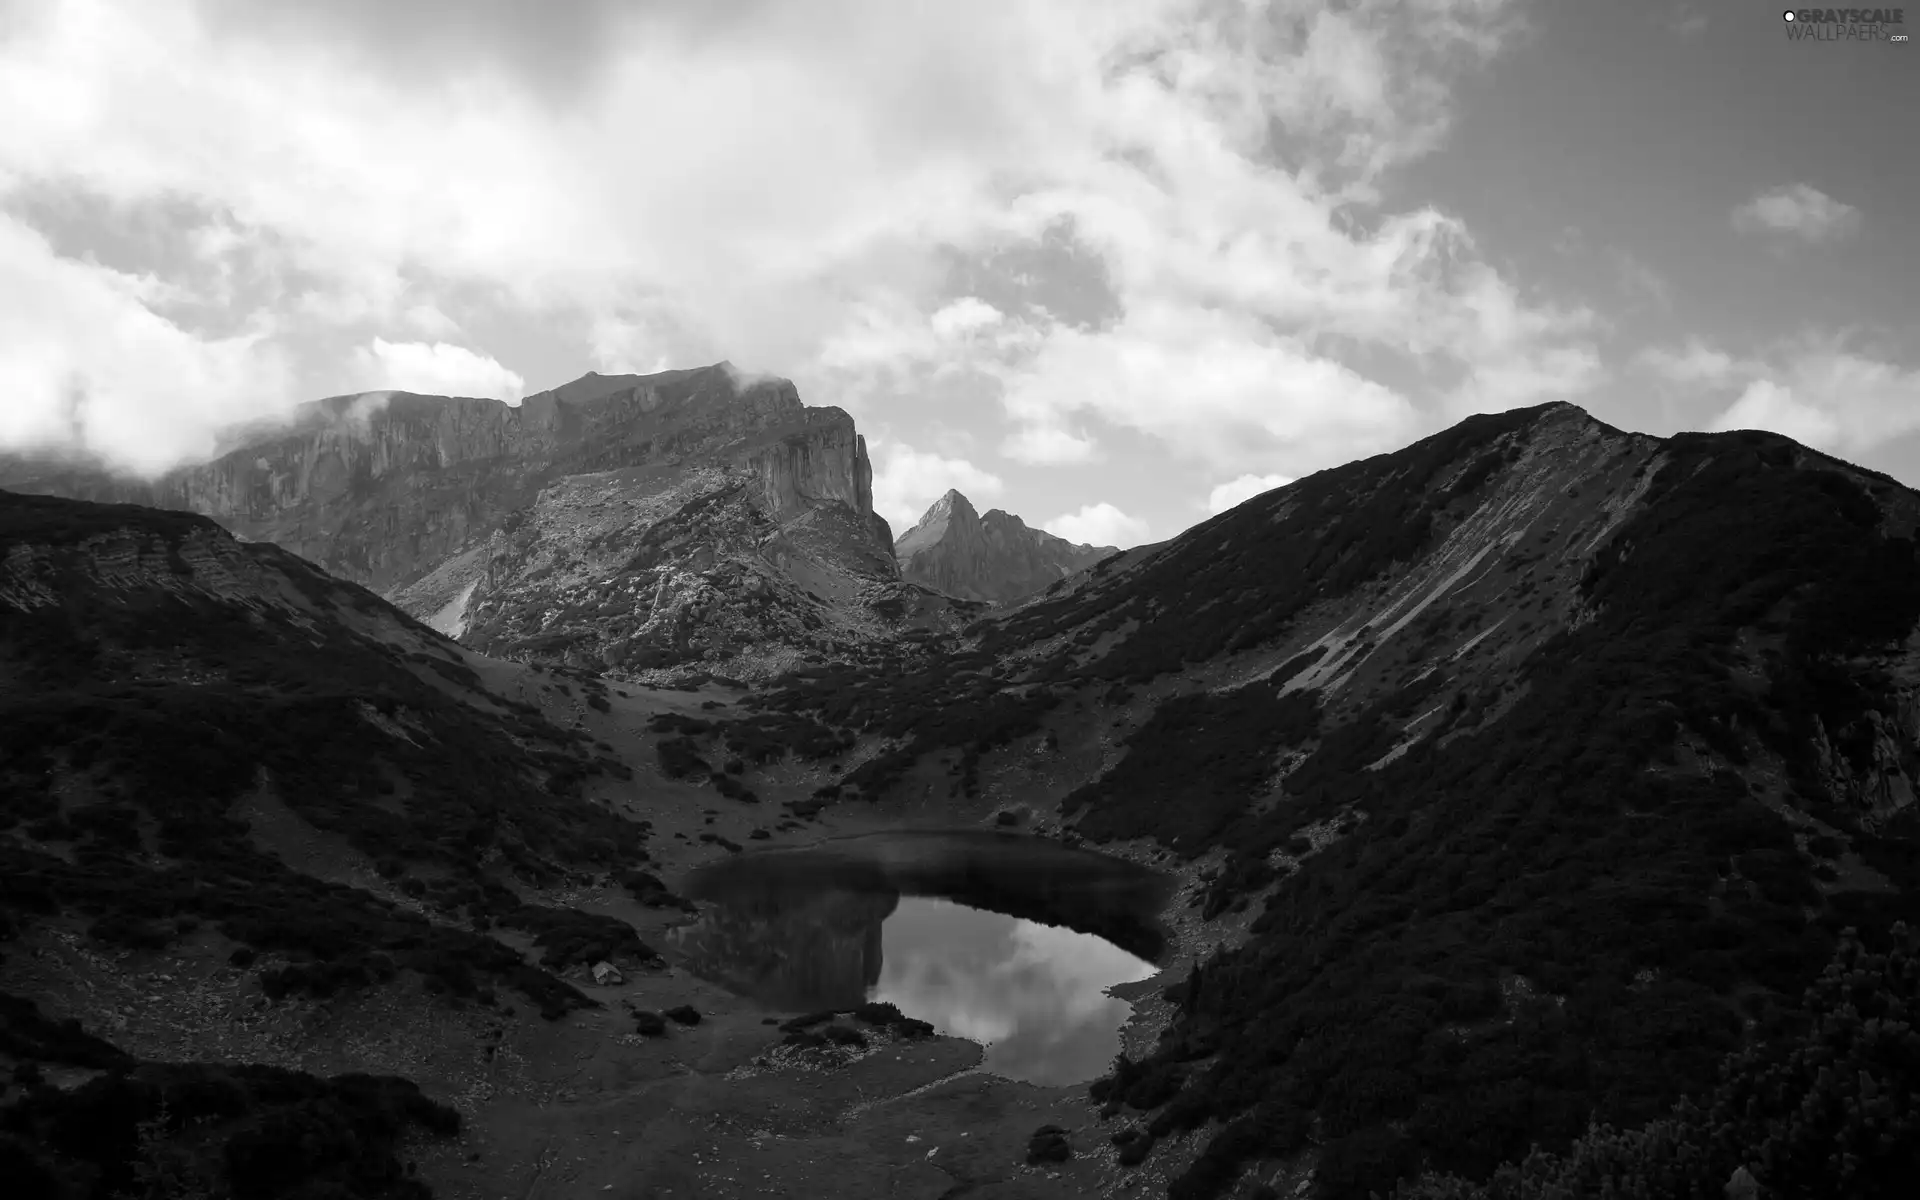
1518, 786
638, 523
995, 558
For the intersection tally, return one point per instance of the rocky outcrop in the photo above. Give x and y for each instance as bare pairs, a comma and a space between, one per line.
380, 488
995, 558
614, 520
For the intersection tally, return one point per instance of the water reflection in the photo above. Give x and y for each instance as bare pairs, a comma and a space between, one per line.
1004, 939
1033, 994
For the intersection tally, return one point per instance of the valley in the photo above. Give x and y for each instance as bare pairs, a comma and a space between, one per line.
1499, 786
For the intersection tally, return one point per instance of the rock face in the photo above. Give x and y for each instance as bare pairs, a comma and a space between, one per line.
996, 558
637, 522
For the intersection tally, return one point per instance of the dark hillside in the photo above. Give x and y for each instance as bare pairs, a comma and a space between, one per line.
1239, 579
1605, 840
1574, 751
155, 677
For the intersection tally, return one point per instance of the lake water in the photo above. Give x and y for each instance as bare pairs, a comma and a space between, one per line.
1007, 940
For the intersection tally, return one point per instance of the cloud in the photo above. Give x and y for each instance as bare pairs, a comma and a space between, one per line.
86, 363
1797, 209
1042, 441
1832, 399
1235, 492
1216, 386
1099, 525
435, 369
1693, 364
791, 187
906, 481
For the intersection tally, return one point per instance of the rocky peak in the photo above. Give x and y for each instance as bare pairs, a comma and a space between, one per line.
499, 521
997, 558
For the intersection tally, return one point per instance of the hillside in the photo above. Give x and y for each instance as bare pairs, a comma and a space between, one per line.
1516, 781
1547, 762
299, 898
692, 519
996, 558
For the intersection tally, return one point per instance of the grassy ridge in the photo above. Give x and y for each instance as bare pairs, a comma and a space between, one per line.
1651, 907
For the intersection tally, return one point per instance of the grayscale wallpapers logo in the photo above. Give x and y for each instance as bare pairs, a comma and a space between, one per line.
1845, 24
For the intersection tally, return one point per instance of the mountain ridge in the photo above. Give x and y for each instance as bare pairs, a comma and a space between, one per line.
996, 558
494, 522
1517, 780
1530, 683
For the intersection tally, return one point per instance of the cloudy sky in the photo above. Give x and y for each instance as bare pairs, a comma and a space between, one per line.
1109, 264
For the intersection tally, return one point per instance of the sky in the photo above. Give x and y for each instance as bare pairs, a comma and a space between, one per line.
1111, 265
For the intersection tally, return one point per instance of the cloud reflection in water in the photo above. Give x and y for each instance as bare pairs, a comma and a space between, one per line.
1034, 993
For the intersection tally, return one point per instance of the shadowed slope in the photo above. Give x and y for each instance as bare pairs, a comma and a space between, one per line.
1552, 757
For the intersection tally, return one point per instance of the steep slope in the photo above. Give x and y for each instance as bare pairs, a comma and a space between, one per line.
995, 558
688, 492
1548, 761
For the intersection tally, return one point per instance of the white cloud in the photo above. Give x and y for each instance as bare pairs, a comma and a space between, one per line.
906, 481
1043, 441
86, 363
436, 369
1099, 525
1798, 209
1235, 492
1693, 364
787, 186
1212, 385
969, 314
1832, 399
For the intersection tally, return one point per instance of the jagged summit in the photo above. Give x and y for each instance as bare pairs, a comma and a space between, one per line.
996, 558
945, 513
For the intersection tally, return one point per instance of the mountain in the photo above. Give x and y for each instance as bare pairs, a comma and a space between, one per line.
1526, 774
995, 558
632, 522
216, 751
1516, 785
298, 897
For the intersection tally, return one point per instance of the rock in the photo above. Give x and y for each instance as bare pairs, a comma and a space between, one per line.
996, 558
618, 522
1048, 1145
607, 975
1742, 1185
1134, 1144
685, 1014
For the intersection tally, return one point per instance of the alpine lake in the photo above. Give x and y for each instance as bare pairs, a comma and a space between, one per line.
1007, 940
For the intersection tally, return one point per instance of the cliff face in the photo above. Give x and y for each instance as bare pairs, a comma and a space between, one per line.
507, 523
996, 558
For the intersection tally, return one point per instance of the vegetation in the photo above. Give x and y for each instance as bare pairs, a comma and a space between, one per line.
1832, 1110
247, 1132
1547, 921
1237, 580
1192, 768
161, 710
